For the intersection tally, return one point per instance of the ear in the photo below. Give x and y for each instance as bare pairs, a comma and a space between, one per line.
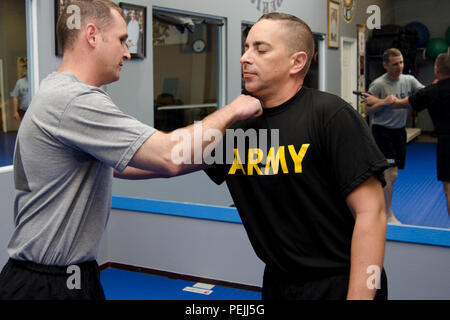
436, 71
91, 34
298, 62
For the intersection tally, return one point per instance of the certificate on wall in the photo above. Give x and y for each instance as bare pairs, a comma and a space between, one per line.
333, 24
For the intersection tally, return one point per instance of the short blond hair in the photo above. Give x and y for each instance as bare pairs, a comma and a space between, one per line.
98, 11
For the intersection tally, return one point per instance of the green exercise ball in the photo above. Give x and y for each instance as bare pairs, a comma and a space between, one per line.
436, 46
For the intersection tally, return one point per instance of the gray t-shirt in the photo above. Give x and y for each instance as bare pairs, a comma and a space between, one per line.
384, 86
68, 143
21, 92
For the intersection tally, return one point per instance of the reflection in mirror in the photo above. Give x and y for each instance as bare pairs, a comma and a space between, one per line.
418, 31
14, 82
186, 68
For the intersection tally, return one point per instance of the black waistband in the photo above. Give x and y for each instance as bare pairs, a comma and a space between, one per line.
305, 274
380, 127
62, 270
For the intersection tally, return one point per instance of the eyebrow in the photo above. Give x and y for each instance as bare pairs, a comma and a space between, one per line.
258, 43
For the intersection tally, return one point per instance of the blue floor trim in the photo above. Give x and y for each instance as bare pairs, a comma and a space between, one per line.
421, 235
413, 234
180, 209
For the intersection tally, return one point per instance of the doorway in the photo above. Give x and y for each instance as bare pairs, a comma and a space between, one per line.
349, 70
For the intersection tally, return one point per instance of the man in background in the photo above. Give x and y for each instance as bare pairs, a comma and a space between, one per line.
21, 96
388, 125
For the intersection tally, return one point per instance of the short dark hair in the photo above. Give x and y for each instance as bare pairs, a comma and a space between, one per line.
391, 52
300, 36
98, 11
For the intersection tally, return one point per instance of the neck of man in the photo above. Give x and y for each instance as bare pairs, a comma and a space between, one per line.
281, 95
82, 66
393, 78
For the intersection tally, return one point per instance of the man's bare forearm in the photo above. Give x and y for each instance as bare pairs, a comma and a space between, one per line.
368, 240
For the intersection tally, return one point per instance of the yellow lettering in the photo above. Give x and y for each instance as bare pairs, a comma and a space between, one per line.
298, 158
252, 162
237, 163
273, 160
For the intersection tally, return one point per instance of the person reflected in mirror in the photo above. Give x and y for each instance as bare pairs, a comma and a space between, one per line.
388, 125
21, 96
435, 98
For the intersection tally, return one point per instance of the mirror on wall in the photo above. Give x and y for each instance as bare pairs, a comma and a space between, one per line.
14, 81
419, 31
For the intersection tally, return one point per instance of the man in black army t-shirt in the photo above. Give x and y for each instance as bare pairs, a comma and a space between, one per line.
314, 209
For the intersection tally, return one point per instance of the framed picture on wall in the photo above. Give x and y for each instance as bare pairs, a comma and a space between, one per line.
136, 19
59, 6
333, 24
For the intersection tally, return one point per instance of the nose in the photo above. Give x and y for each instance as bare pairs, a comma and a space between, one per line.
245, 58
127, 55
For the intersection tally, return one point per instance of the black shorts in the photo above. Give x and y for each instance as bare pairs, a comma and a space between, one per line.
279, 286
392, 143
443, 158
22, 280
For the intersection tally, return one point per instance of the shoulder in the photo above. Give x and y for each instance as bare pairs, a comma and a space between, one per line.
64, 90
325, 101
378, 82
23, 81
410, 79
380, 79
326, 106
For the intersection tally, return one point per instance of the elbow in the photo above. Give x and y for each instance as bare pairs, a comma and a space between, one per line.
171, 167
173, 170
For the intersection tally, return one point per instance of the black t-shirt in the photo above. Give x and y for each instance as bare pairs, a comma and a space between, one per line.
293, 206
436, 98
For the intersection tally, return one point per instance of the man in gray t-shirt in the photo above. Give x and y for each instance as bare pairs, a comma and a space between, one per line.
71, 141
21, 97
388, 124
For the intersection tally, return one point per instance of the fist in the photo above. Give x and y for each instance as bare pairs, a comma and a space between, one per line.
390, 99
246, 107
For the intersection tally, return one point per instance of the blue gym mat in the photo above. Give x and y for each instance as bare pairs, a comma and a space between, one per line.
126, 285
419, 197
7, 141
